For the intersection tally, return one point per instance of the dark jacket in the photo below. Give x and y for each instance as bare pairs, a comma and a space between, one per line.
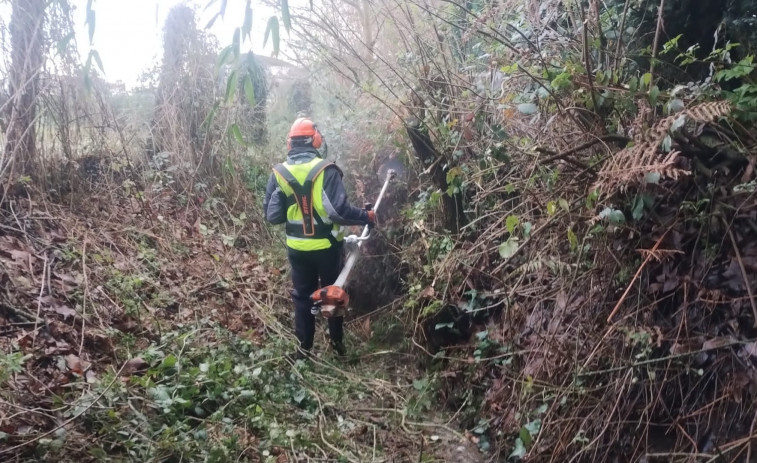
334, 197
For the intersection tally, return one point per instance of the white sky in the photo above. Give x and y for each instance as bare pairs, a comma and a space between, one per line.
128, 33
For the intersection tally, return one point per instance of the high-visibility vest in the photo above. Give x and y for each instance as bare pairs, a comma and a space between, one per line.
308, 227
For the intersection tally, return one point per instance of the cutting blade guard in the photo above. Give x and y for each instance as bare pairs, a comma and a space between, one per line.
333, 301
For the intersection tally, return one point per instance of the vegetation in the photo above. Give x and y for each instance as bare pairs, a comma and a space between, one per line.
565, 270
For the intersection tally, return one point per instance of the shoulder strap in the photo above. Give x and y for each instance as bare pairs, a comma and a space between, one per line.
303, 195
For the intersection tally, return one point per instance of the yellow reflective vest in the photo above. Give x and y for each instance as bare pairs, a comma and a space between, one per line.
308, 227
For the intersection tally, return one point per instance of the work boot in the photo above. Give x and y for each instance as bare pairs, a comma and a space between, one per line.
339, 348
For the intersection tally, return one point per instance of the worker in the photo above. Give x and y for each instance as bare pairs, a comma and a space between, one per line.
306, 192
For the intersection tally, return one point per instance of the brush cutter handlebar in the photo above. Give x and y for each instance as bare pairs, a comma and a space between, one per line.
333, 300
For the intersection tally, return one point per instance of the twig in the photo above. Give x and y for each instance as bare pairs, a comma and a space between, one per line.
39, 302
636, 276
68, 421
743, 274
86, 292
656, 41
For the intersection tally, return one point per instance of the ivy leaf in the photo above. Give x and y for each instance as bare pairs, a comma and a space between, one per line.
528, 108
520, 450
564, 204
654, 93
678, 123
551, 207
511, 222
509, 247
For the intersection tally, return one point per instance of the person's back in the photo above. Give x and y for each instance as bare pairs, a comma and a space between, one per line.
306, 194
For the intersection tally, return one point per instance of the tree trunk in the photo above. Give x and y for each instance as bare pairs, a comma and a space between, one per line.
454, 217
27, 58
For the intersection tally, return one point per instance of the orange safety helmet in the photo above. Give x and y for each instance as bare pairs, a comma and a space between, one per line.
304, 129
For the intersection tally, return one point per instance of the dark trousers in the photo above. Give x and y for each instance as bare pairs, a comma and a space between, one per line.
312, 270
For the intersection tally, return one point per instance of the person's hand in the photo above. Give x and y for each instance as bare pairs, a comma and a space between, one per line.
371, 218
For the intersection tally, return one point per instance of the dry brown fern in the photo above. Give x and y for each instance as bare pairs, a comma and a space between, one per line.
632, 164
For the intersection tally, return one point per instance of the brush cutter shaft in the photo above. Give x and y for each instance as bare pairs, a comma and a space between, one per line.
352, 257
332, 301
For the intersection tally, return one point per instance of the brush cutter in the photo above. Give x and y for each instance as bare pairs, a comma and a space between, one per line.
333, 301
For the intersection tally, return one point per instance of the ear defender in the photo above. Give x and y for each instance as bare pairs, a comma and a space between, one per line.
317, 138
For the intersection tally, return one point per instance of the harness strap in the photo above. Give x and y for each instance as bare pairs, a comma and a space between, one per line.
303, 197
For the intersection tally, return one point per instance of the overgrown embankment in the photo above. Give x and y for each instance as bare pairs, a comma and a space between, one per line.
161, 334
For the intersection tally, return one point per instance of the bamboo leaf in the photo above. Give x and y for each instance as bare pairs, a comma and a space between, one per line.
211, 116
87, 79
210, 3
223, 57
223, 8
235, 43
231, 86
212, 20
247, 25
96, 56
285, 15
272, 30
249, 89
91, 21
237, 134
63, 43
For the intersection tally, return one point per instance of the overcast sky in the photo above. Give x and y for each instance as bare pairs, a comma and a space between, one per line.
128, 32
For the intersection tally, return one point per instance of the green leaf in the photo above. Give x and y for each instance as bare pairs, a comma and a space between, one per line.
212, 20
87, 69
231, 86
572, 239
520, 450
525, 436
63, 43
249, 90
169, 361
285, 15
654, 93
528, 108
237, 133
564, 204
646, 80
91, 21
223, 57
511, 222
272, 31
211, 116
247, 24
527, 229
236, 41
96, 56
509, 247
551, 207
